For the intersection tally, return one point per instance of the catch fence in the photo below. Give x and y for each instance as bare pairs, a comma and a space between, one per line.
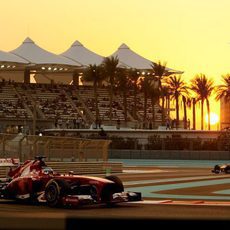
54, 148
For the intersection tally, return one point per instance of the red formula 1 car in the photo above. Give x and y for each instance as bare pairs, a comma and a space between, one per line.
36, 182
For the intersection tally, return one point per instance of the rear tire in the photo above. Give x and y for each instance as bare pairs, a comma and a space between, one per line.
217, 169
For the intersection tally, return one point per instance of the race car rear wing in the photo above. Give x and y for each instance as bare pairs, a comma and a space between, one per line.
6, 166
8, 162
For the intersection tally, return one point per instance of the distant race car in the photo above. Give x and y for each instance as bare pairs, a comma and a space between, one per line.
34, 181
225, 168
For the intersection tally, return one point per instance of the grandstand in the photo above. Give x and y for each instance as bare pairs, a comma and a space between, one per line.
57, 100
65, 106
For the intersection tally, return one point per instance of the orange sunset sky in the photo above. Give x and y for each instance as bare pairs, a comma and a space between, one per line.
190, 35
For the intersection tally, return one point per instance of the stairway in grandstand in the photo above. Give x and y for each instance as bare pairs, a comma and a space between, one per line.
28, 102
12, 106
86, 94
140, 107
130, 105
51, 101
78, 103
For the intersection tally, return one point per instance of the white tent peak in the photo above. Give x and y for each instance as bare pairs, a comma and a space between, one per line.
76, 43
28, 40
34, 54
123, 46
130, 59
80, 54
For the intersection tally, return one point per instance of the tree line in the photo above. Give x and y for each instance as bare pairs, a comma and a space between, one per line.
158, 84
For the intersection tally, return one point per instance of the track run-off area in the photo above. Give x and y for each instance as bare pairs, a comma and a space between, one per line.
178, 180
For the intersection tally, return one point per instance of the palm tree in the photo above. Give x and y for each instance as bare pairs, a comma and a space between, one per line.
144, 84
154, 94
94, 73
223, 90
191, 103
164, 94
159, 71
150, 86
122, 84
110, 65
186, 103
134, 76
178, 89
203, 89
194, 101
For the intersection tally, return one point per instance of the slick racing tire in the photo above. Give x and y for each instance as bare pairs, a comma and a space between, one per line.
110, 189
54, 191
119, 187
227, 169
217, 169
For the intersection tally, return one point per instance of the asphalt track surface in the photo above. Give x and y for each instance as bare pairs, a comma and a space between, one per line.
173, 199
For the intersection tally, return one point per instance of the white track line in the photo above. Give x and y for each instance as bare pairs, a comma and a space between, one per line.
194, 202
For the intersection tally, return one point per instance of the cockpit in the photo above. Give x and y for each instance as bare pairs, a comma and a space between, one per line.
47, 170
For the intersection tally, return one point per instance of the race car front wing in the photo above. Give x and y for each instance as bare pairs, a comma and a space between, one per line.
75, 200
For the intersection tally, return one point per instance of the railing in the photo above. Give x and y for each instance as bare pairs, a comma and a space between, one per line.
54, 148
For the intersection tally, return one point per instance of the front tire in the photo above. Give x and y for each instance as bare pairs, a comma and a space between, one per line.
110, 189
227, 169
119, 187
54, 191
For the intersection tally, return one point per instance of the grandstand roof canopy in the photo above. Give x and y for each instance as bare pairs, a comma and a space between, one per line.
130, 59
34, 54
77, 52
6, 57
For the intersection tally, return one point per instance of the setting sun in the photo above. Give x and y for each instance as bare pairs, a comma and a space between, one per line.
214, 118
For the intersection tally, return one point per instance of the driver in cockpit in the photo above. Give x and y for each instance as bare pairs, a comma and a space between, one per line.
47, 170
